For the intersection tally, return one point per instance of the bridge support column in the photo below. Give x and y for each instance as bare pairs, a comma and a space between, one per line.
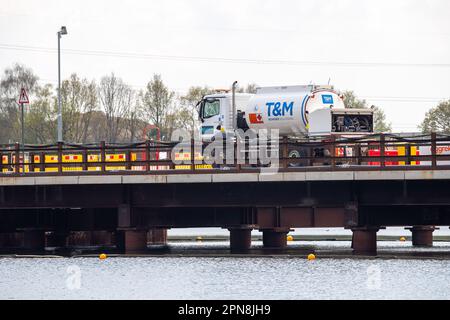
101, 238
422, 235
132, 240
240, 239
275, 238
2, 240
10, 240
364, 240
57, 239
33, 239
157, 236
79, 238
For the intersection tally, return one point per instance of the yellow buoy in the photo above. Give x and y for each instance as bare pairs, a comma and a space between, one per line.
102, 256
290, 238
311, 256
199, 238
402, 239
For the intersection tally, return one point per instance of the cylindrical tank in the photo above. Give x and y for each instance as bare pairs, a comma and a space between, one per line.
287, 108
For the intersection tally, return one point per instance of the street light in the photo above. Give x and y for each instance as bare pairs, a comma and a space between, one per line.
60, 33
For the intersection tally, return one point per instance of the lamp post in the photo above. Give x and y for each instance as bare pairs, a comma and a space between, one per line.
60, 126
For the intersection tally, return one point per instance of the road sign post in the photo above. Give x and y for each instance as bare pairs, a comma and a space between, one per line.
22, 124
22, 100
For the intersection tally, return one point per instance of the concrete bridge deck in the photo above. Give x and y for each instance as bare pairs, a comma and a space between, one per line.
142, 178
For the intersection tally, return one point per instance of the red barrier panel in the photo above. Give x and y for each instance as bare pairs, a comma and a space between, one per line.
376, 153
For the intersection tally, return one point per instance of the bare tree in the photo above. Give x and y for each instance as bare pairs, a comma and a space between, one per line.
116, 98
250, 88
134, 125
97, 130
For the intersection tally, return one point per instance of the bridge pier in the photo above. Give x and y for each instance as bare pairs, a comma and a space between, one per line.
422, 235
57, 239
4, 240
240, 239
79, 238
364, 240
157, 236
275, 238
10, 240
33, 239
100, 238
132, 240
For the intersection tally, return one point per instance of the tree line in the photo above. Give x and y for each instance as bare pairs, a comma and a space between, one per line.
111, 110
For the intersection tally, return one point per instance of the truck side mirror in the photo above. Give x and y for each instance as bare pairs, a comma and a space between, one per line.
200, 106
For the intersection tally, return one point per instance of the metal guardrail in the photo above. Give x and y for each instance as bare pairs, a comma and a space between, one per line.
335, 153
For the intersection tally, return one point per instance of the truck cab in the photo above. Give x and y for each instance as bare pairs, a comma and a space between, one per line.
216, 113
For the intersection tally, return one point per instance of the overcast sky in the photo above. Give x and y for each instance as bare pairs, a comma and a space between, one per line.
396, 54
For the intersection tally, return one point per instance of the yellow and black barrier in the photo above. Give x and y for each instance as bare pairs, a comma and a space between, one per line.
74, 162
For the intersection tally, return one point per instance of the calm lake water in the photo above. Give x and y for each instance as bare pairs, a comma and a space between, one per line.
391, 231
229, 277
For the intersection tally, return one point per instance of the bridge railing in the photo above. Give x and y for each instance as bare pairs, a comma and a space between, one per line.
371, 152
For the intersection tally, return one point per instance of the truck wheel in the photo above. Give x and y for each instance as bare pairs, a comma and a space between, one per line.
298, 153
294, 154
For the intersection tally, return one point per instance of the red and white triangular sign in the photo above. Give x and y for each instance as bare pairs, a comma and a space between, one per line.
23, 96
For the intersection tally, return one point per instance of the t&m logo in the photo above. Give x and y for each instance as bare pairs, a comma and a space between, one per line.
277, 109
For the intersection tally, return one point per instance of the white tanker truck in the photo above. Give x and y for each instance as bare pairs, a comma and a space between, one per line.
303, 111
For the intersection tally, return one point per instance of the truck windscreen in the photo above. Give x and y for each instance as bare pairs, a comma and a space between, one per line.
211, 108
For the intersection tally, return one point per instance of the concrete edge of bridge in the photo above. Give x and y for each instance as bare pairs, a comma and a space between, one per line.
224, 177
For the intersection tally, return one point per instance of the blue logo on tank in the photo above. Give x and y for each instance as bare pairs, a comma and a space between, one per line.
327, 99
277, 109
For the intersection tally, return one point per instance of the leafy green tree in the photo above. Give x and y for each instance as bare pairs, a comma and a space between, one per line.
41, 118
380, 122
13, 79
352, 102
157, 105
187, 115
437, 119
79, 100
194, 95
379, 117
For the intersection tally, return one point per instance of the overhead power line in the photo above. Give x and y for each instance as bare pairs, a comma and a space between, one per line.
131, 55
